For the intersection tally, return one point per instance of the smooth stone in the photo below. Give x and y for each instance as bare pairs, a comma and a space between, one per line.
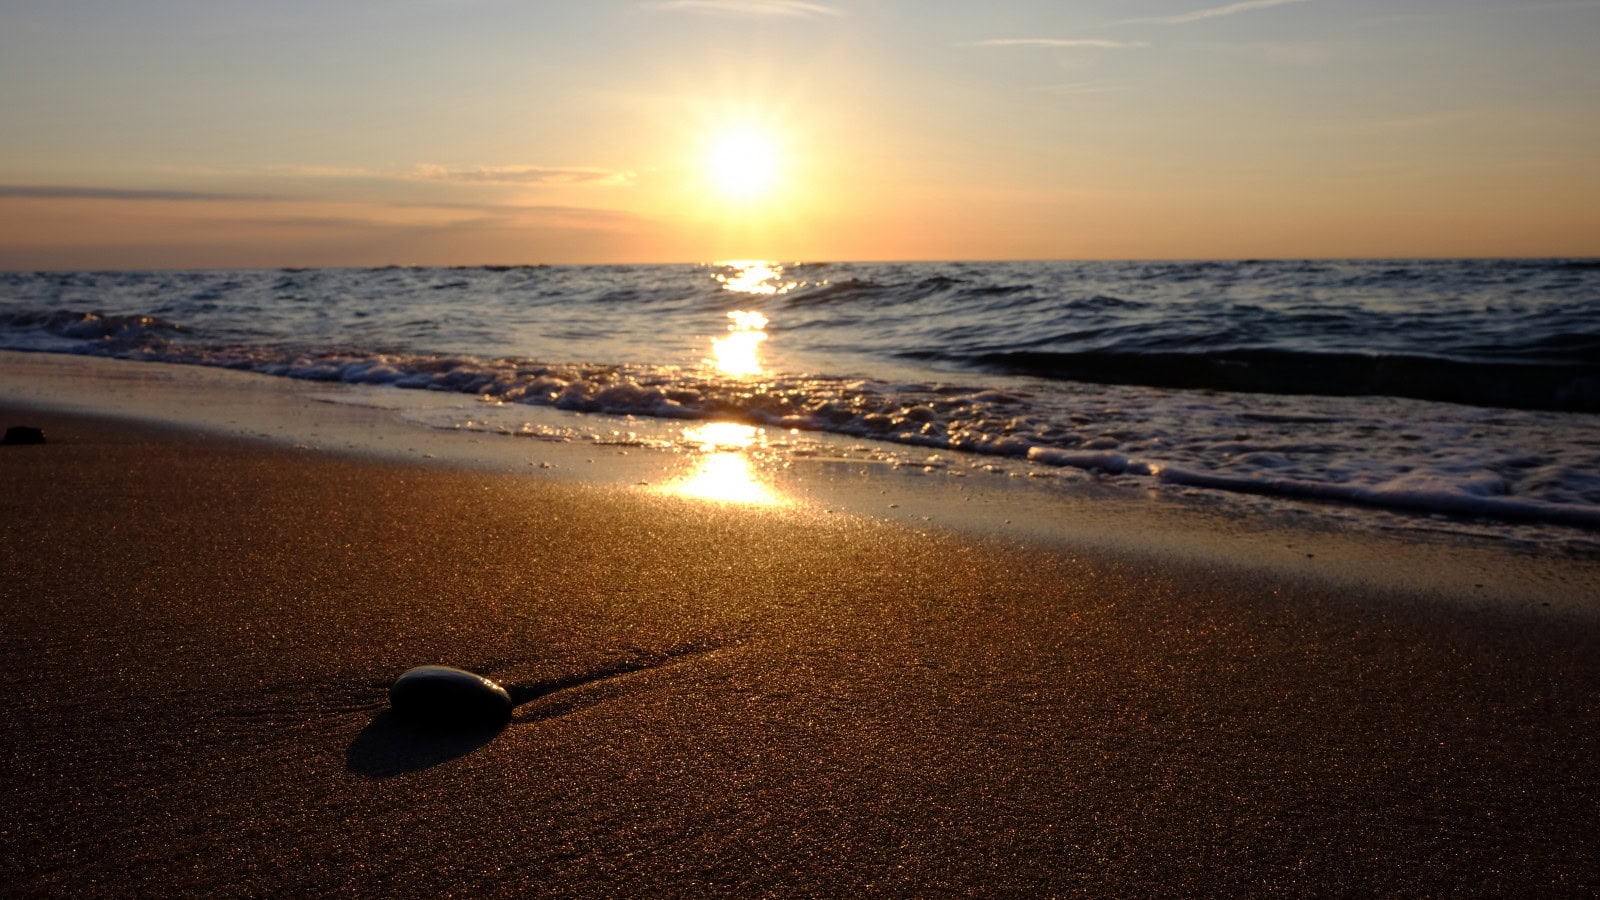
449, 697
24, 434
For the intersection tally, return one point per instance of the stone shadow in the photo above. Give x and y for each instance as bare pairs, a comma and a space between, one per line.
390, 745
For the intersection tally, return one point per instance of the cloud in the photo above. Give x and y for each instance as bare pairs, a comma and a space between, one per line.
1518, 8
425, 172
519, 175
1214, 12
575, 216
298, 171
1081, 88
1093, 43
1417, 122
296, 222
794, 9
78, 192
513, 174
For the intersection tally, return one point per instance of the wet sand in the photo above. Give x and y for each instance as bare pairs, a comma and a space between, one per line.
198, 633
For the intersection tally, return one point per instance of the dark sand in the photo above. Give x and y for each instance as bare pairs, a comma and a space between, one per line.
197, 635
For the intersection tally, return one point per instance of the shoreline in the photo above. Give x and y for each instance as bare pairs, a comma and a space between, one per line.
199, 632
1453, 560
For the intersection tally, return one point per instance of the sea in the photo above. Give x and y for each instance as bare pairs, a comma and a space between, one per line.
1443, 391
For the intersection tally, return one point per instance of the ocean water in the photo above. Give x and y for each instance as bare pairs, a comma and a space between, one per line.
1456, 389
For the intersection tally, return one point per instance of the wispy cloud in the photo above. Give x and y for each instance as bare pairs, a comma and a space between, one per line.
1213, 12
510, 174
343, 223
1092, 43
294, 171
485, 175
1081, 88
794, 9
1421, 121
1518, 8
82, 192
519, 175
586, 213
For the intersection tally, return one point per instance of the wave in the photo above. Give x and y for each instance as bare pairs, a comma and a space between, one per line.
845, 291
1099, 342
974, 419
123, 330
1563, 387
1400, 495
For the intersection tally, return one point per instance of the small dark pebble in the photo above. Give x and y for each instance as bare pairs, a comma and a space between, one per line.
445, 697
24, 434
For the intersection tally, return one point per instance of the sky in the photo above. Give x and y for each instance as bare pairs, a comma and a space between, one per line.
233, 133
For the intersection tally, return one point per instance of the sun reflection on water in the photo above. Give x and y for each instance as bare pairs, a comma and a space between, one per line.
713, 436
753, 276
725, 473
736, 353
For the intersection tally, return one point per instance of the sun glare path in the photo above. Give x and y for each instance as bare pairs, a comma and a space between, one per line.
725, 474
735, 353
743, 163
754, 276
727, 478
721, 436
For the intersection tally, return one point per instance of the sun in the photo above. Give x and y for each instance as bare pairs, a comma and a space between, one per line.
743, 163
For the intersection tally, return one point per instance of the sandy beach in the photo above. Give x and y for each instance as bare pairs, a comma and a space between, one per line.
199, 633
800, 448
834, 449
